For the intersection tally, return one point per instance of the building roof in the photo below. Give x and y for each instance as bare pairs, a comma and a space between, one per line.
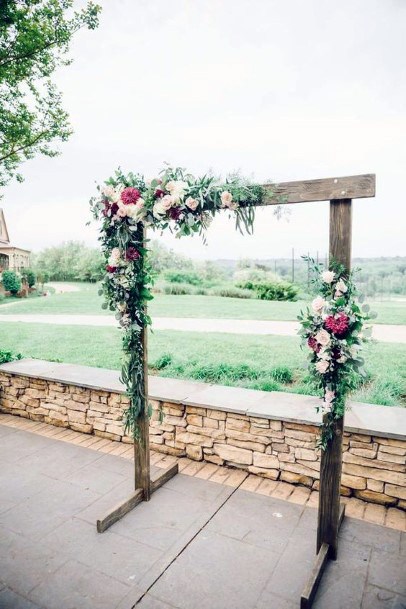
4, 236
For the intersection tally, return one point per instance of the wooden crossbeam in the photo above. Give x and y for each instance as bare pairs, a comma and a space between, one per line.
158, 478
313, 582
326, 189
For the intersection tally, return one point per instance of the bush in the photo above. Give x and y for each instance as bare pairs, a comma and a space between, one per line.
163, 362
11, 282
282, 374
233, 293
278, 290
29, 277
178, 289
8, 356
178, 276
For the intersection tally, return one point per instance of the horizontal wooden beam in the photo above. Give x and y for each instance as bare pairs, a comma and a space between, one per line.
327, 189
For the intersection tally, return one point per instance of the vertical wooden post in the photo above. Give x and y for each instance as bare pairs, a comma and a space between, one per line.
331, 458
142, 477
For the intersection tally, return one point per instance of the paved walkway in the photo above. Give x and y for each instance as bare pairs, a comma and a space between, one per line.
196, 545
385, 333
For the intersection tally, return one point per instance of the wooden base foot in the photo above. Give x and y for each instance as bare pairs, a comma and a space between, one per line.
158, 479
322, 557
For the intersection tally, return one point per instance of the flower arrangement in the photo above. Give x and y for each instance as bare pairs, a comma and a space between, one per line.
334, 331
125, 207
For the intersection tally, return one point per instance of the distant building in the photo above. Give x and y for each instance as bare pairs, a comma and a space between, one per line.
11, 257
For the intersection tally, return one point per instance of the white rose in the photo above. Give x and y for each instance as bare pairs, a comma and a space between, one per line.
341, 287
158, 209
323, 354
135, 212
323, 337
167, 202
177, 188
329, 396
342, 359
111, 193
114, 256
191, 203
226, 198
328, 276
322, 366
318, 304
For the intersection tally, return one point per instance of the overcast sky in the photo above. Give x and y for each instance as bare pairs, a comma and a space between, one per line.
288, 90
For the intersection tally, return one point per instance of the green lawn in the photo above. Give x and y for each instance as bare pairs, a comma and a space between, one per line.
87, 302
260, 362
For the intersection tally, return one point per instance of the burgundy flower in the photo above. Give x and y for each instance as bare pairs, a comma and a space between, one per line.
174, 213
132, 254
114, 209
159, 193
130, 196
111, 269
313, 344
105, 211
338, 324
336, 353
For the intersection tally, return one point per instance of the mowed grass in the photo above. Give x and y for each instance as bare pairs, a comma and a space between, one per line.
269, 363
86, 301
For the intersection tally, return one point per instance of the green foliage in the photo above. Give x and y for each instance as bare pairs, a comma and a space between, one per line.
231, 292
279, 290
283, 374
8, 356
70, 261
11, 282
29, 276
179, 276
163, 361
34, 39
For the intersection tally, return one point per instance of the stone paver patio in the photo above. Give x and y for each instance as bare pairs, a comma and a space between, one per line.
197, 544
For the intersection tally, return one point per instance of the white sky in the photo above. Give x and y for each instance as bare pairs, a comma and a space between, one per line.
288, 90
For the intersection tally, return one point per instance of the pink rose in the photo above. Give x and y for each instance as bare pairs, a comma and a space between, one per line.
192, 203
322, 366
226, 198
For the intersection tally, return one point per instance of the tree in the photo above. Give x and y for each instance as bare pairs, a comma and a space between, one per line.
34, 41
11, 282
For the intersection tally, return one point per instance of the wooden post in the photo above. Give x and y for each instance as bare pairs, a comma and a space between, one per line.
142, 478
331, 458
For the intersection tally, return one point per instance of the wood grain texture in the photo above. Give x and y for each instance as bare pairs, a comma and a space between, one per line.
312, 584
142, 468
119, 511
331, 458
327, 189
161, 476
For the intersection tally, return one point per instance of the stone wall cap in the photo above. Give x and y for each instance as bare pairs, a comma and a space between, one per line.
383, 421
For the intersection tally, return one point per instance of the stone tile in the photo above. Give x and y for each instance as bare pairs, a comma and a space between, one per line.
205, 490
11, 600
192, 582
150, 602
119, 557
291, 573
256, 519
387, 570
218, 397
95, 478
343, 581
376, 598
377, 537
76, 585
111, 463
270, 600
24, 564
19, 445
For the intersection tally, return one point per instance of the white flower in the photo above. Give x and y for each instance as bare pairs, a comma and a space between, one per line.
318, 304
136, 212
192, 203
329, 396
177, 188
114, 256
341, 287
342, 359
111, 193
322, 366
227, 200
323, 354
354, 351
328, 276
323, 337
167, 202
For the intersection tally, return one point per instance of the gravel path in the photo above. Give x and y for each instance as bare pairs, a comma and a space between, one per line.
381, 332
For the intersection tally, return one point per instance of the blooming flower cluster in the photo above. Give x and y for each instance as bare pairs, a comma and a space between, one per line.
125, 207
334, 331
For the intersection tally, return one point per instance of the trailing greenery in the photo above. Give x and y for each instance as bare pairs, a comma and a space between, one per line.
34, 39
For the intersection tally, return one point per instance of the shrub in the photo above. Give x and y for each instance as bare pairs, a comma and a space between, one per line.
278, 290
11, 282
283, 374
178, 276
163, 362
233, 293
29, 277
178, 289
8, 356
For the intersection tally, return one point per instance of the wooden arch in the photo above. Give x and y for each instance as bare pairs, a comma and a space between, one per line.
339, 192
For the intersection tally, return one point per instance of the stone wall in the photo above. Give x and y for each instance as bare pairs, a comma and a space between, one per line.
373, 465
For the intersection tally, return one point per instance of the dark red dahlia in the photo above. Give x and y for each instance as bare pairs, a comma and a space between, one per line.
174, 213
111, 269
132, 254
336, 353
338, 324
114, 209
313, 344
130, 196
159, 193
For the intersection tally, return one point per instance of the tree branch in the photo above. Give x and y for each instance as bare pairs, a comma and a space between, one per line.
28, 145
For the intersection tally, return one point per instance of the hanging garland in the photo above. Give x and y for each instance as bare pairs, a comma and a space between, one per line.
334, 330
125, 206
